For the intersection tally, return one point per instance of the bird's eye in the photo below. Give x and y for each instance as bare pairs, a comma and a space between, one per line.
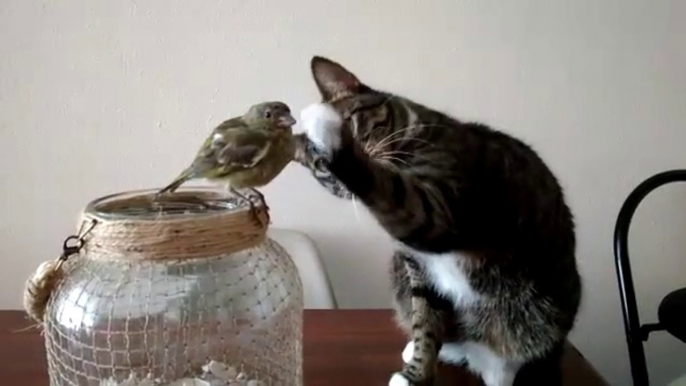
268, 114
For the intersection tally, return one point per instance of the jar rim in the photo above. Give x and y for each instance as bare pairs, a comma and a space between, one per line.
186, 203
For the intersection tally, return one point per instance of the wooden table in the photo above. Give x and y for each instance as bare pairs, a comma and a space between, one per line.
341, 348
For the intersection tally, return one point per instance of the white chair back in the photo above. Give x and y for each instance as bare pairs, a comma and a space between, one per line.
316, 285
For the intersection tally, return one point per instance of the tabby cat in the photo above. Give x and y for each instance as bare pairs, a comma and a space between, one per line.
485, 273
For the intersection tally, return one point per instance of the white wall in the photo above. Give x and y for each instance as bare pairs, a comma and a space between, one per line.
105, 96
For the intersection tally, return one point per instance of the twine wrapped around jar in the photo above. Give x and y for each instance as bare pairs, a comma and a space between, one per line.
177, 236
159, 289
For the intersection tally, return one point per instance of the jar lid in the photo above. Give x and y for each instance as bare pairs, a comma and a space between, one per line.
190, 223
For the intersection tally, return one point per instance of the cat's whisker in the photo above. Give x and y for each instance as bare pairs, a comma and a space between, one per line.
389, 160
390, 139
357, 213
383, 140
369, 148
391, 152
400, 152
409, 139
380, 146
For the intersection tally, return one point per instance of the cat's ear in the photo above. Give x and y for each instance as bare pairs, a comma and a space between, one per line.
333, 80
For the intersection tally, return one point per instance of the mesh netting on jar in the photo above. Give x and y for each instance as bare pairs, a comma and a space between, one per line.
175, 292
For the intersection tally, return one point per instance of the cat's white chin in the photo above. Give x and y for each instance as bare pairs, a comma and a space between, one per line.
323, 126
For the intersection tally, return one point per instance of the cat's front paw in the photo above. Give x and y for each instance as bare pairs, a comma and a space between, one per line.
398, 380
323, 125
408, 352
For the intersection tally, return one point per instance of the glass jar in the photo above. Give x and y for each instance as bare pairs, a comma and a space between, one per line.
188, 288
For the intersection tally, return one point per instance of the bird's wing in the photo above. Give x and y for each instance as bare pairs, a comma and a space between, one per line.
231, 146
218, 138
241, 148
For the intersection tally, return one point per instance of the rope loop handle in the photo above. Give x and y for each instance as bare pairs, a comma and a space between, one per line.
46, 277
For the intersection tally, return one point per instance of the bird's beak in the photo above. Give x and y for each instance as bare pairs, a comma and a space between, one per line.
286, 121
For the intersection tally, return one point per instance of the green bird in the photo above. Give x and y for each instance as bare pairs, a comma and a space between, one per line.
247, 151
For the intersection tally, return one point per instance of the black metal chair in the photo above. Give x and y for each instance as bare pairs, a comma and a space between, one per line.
672, 310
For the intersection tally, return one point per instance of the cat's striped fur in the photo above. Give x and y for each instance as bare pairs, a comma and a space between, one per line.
485, 271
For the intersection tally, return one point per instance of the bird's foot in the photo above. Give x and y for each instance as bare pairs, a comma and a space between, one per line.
261, 208
255, 210
261, 198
